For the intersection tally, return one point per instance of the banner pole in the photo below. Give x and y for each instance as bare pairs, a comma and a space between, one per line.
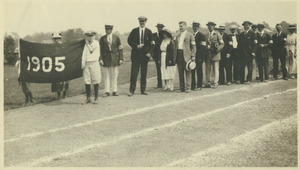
19, 57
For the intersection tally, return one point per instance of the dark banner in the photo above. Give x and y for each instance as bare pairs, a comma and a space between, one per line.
50, 63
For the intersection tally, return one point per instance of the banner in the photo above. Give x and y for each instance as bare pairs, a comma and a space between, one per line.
50, 63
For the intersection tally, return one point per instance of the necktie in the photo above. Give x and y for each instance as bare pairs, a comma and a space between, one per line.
109, 42
142, 37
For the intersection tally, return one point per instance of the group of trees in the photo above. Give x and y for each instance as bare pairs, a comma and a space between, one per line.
10, 41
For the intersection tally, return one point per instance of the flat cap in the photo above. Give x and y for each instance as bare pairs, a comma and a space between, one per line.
247, 22
160, 25
211, 23
109, 26
90, 33
196, 23
142, 18
261, 25
233, 27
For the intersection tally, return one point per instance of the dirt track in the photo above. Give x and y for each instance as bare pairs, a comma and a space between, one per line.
237, 125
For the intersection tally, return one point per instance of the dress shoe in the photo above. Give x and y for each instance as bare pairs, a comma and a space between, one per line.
208, 85
214, 86
188, 90
115, 94
285, 78
88, 100
247, 82
96, 101
228, 83
106, 94
130, 94
199, 88
144, 93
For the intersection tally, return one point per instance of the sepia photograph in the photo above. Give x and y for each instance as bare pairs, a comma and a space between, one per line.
149, 83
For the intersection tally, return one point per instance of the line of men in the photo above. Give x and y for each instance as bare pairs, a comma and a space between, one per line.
217, 51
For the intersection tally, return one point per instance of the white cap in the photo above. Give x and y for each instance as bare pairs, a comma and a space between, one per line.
56, 35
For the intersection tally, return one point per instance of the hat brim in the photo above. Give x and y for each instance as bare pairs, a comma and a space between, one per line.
166, 32
211, 24
160, 26
292, 28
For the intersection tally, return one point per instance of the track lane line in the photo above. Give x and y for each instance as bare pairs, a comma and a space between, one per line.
141, 133
236, 139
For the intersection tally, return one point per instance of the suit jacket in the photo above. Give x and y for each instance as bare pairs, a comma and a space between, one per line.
201, 49
189, 45
278, 43
134, 40
265, 39
157, 39
212, 41
111, 57
248, 43
227, 45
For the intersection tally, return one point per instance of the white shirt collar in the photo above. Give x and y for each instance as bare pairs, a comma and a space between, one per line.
195, 33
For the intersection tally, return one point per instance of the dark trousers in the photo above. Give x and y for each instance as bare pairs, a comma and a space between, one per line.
246, 61
236, 64
225, 64
181, 64
199, 72
263, 68
281, 56
140, 60
158, 70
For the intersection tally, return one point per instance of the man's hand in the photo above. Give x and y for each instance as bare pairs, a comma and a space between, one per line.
261, 45
140, 46
253, 54
101, 62
148, 55
121, 62
227, 55
208, 46
193, 58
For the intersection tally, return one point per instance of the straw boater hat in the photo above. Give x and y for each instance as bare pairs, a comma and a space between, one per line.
197, 24
260, 25
190, 65
56, 35
221, 27
90, 33
233, 27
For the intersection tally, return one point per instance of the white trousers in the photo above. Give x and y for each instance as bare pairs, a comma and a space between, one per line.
111, 78
92, 73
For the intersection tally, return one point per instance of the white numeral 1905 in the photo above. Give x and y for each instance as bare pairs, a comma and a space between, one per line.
59, 65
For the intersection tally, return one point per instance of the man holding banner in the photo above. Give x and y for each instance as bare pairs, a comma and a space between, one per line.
64, 85
91, 66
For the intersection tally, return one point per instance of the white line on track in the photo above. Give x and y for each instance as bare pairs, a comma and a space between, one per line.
140, 133
134, 112
236, 139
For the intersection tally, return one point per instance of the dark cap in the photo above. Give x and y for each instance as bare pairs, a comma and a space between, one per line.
160, 25
247, 22
260, 25
211, 23
291, 27
109, 26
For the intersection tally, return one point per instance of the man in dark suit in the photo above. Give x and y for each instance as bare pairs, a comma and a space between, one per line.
226, 59
111, 57
263, 52
141, 41
201, 51
248, 44
279, 52
157, 37
235, 54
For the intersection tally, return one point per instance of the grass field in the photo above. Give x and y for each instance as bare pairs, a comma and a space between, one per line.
14, 98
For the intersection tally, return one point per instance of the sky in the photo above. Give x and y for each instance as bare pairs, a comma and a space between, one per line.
30, 16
